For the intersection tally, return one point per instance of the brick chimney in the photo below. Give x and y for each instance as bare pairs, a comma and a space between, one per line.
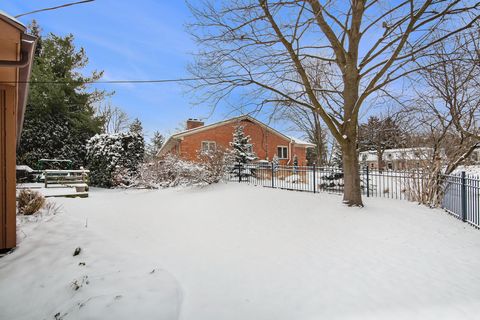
194, 123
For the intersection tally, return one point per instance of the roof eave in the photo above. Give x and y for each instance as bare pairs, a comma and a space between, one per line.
29, 43
166, 146
12, 21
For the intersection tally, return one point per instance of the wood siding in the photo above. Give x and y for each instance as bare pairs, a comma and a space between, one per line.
10, 38
7, 167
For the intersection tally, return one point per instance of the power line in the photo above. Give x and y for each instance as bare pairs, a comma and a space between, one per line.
142, 81
54, 8
112, 81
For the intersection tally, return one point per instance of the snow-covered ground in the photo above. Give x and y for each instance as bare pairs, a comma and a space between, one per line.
234, 251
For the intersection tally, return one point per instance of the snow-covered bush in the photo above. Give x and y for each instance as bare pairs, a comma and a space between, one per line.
275, 163
30, 202
114, 159
172, 171
215, 164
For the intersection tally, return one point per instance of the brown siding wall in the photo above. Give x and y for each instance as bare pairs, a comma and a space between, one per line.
9, 50
264, 142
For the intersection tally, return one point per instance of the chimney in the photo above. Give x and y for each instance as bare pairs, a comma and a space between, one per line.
194, 123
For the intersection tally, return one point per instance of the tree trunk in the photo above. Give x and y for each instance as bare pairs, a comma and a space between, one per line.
352, 193
380, 160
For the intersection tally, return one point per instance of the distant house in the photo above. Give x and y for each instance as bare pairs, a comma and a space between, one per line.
16, 54
475, 156
267, 142
397, 159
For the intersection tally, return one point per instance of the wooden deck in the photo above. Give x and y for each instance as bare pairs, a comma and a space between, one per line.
53, 192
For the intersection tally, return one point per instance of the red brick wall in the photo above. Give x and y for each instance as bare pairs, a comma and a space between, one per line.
264, 142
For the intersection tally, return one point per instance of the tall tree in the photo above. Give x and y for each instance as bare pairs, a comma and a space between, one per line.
136, 129
270, 46
60, 117
380, 134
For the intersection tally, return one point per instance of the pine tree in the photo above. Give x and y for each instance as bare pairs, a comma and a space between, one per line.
59, 118
242, 148
138, 146
155, 145
337, 156
136, 127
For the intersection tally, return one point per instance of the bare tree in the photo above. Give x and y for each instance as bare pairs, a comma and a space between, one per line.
309, 124
447, 107
114, 119
452, 97
265, 49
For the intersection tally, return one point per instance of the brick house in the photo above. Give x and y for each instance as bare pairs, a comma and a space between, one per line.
267, 142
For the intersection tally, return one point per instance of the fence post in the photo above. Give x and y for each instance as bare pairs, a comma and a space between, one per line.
368, 183
464, 197
314, 181
273, 184
239, 172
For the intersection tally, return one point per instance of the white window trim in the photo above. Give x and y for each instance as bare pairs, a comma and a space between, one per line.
282, 158
209, 143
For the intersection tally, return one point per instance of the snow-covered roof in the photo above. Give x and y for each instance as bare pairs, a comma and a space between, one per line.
417, 153
302, 142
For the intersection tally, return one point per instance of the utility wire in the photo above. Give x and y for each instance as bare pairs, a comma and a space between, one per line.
113, 81
239, 76
53, 8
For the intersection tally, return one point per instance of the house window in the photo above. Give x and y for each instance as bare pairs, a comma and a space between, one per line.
282, 152
209, 146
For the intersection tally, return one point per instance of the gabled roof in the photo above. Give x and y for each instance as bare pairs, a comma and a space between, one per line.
177, 136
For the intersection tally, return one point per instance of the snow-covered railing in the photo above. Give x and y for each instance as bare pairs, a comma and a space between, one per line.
74, 178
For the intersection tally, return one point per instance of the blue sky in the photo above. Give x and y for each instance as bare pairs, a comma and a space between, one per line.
142, 39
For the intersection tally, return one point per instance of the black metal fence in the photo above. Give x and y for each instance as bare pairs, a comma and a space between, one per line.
458, 194
461, 197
